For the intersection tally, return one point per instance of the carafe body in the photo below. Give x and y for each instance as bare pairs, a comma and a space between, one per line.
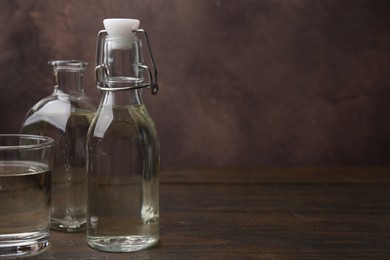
65, 116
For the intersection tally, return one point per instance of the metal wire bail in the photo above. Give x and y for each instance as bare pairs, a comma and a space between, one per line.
101, 69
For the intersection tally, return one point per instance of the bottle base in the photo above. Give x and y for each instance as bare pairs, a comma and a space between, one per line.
64, 226
22, 245
121, 243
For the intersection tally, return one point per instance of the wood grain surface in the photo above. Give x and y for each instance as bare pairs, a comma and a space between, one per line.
303, 213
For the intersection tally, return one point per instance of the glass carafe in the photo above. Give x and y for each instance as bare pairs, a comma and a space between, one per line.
65, 116
122, 146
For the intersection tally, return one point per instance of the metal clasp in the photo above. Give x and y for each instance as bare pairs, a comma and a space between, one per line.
101, 69
152, 77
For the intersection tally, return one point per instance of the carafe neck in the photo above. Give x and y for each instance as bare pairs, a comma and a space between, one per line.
68, 77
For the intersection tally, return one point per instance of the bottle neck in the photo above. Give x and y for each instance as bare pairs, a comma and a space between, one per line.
119, 63
69, 81
130, 97
122, 75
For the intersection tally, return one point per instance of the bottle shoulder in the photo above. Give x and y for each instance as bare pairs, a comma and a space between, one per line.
63, 104
123, 121
59, 112
84, 103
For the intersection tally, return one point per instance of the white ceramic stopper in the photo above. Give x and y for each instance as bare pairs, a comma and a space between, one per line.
122, 30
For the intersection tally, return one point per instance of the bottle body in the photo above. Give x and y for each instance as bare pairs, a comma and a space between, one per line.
66, 118
122, 147
123, 189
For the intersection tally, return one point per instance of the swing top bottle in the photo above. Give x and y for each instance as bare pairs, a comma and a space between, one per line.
122, 146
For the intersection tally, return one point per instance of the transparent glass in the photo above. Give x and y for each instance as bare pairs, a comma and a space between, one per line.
25, 172
65, 116
123, 164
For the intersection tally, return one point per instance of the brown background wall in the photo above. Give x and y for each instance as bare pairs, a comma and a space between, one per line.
243, 83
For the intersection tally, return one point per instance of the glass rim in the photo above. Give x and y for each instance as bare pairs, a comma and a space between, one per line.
46, 142
113, 39
68, 64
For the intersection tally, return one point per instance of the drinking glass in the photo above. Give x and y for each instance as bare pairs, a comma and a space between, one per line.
25, 182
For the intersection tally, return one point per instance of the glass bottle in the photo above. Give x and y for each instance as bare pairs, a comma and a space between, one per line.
65, 116
122, 146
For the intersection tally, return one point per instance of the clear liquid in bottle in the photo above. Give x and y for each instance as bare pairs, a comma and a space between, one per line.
122, 182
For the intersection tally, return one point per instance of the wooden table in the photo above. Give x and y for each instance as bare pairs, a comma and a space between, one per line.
302, 213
